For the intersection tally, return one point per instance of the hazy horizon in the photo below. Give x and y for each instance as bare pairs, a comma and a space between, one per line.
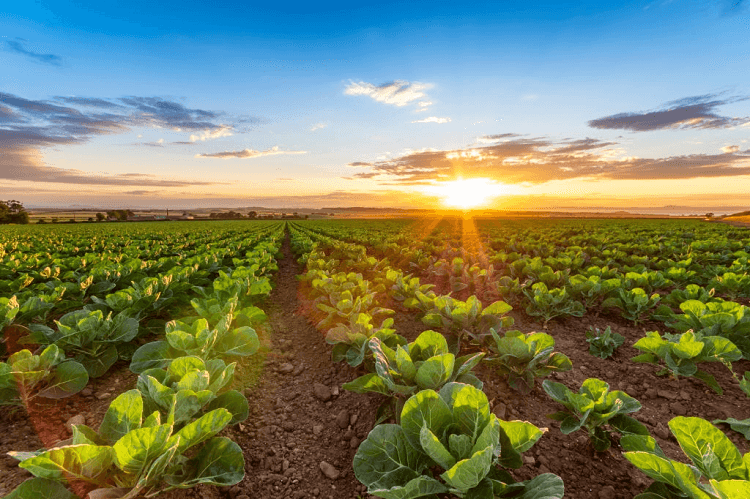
633, 105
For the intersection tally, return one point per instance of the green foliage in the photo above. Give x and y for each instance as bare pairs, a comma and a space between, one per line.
197, 339
550, 303
732, 285
681, 354
590, 289
603, 344
633, 303
25, 376
525, 357
722, 318
93, 339
717, 470
425, 363
351, 341
740, 426
193, 387
691, 292
595, 408
141, 454
468, 318
454, 432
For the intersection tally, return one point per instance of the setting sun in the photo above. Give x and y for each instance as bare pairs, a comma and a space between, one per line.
469, 193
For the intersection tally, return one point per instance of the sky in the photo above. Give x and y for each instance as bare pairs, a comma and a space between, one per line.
512, 105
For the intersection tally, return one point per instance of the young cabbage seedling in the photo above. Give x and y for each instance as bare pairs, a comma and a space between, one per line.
603, 344
681, 353
595, 408
525, 357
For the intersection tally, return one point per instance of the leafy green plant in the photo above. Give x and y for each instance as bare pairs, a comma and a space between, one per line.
8, 310
550, 303
603, 344
718, 470
196, 339
722, 318
740, 426
133, 455
95, 340
425, 363
525, 357
633, 303
25, 376
590, 289
691, 292
468, 318
351, 341
194, 387
731, 284
594, 408
681, 354
453, 431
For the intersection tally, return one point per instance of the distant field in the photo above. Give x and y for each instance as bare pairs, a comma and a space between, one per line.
743, 219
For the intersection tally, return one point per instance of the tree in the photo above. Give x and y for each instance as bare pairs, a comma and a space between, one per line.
100, 217
13, 212
709, 215
252, 214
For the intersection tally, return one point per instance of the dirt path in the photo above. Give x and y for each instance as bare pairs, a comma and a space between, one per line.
303, 430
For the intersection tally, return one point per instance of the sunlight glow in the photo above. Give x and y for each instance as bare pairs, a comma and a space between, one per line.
469, 193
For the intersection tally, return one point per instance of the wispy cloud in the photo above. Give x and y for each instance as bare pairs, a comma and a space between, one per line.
28, 126
690, 112
433, 119
540, 160
318, 126
730, 149
396, 93
247, 153
210, 134
18, 47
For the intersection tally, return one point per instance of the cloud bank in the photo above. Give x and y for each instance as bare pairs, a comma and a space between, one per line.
396, 93
690, 112
522, 160
27, 126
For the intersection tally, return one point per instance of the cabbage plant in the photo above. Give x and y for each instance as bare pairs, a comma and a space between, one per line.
351, 341
468, 318
722, 318
681, 354
633, 303
450, 442
93, 339
550, 303
603, 344
197, 339
717, 469
525, 357
135, 454
193, 387
425, 363
595, 408
50, 375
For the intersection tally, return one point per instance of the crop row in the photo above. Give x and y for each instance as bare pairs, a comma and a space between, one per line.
422, 381
160, 435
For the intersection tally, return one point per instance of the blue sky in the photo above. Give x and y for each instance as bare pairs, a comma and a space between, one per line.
552, 103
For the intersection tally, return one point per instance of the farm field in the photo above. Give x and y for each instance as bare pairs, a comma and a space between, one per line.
293, 357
